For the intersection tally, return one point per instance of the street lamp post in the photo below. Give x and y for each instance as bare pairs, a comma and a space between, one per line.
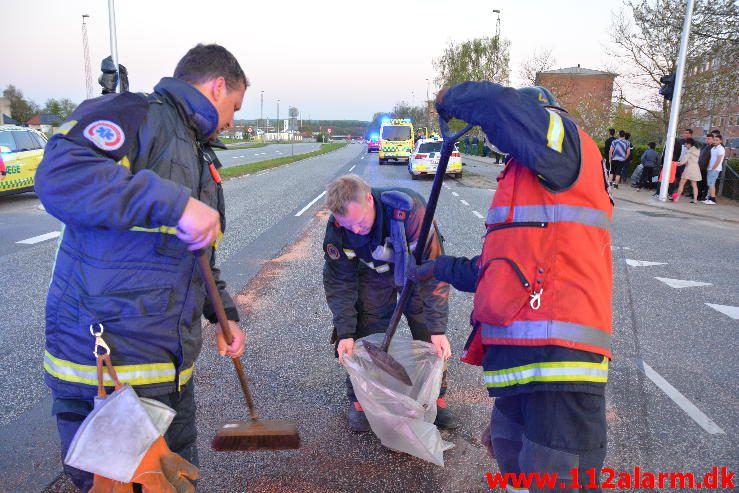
277, 123
261, 109
113, 38
86, 49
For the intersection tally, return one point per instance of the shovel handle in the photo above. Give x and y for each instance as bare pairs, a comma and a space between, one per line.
215, 299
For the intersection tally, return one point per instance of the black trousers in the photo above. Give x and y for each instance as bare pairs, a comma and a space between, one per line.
646, 177
550, 432
703, 185
180, 437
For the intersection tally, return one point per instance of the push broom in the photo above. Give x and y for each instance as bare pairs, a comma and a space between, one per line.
255, 434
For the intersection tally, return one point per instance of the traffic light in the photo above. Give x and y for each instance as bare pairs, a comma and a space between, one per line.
109, 78
668, 86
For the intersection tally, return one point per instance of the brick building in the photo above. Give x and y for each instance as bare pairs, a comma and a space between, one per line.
586, 93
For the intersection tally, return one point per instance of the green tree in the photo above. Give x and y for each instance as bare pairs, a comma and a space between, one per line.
475, 59
21, 109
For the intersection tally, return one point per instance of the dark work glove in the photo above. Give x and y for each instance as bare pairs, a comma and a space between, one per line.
423, 272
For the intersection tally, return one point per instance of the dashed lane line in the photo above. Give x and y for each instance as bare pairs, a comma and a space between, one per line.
300, 213
455, 194
690, 409
681, 283
39, 238
478, 214
730, 311
352, 167
642, 263
465, 202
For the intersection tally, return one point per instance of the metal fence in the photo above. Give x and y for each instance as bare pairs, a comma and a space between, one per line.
728, 182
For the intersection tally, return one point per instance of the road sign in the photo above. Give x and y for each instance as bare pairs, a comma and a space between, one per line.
329, 131
250, 130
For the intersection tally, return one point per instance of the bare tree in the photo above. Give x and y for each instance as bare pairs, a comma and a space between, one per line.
539, 61
648, 48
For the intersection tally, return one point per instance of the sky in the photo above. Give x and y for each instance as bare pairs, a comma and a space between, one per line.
331, 59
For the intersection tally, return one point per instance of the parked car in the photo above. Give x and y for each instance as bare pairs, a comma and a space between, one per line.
21, 151
425, 159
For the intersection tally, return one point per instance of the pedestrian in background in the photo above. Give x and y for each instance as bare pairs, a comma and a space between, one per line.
704, 158
475, 143
607, 148
466, 144
714, 168
129, 175
649, 165
618, 155
627, 165
691, 171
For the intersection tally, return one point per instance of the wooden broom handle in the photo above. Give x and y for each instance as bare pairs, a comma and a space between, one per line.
215, 299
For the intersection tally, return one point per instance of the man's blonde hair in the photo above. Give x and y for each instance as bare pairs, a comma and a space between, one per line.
345, 189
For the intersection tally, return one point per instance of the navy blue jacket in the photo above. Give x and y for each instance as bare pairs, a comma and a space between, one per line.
349, 262
119, 176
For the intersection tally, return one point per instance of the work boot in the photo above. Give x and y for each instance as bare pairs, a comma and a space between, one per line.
357, 419
445, 419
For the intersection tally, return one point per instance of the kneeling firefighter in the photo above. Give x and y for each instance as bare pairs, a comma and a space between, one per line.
362, 275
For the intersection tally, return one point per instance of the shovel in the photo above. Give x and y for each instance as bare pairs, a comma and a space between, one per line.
379, 355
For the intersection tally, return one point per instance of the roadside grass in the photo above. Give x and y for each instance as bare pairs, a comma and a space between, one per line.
242, 169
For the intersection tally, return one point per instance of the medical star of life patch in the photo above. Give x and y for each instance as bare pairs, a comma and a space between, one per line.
332, 251
105, 134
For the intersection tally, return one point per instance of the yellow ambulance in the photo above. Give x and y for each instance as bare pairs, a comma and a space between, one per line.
396, 140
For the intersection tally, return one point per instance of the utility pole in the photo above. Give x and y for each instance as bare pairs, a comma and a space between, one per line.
277, 123
261, 109
497, 24
428, 106
675, 108
113, 38
86, 53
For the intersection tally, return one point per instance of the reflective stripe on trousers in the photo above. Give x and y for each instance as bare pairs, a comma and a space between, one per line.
560, 371
550, 214
143, 374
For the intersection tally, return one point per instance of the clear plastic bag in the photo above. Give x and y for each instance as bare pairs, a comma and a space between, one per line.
402, 417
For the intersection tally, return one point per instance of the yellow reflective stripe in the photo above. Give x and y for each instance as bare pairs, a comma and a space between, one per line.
171, 230
349, 253
556, 132
563, 371
66, 127
125, 162
168, 230
383, 268
142, 374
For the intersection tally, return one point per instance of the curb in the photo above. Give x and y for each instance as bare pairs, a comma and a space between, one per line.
694, 214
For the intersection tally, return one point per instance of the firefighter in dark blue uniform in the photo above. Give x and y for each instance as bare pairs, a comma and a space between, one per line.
133, 179
361, 282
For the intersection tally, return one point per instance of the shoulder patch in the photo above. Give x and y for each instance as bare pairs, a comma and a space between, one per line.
332, 251
105, 134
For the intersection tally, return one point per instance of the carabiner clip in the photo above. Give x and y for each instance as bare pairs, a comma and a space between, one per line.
535, 301
99, 342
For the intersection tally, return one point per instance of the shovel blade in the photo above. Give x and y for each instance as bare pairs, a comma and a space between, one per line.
387, 363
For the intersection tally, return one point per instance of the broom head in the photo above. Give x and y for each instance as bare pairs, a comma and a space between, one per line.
257, 434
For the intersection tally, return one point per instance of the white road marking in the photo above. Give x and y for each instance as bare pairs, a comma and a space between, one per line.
310, 204
478, 214
455, 194
731, 311
642, 263
362, 157
679, 283
465, 202
234, 157
690, 409
352, 167
39, 238
241, 156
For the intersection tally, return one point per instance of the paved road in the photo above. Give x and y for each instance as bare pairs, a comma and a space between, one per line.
234, 157
273, 258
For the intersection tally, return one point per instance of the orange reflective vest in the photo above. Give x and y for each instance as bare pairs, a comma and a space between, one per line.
545, 273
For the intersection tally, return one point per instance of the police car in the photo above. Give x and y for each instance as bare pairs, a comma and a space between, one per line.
21, 151
425, 158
